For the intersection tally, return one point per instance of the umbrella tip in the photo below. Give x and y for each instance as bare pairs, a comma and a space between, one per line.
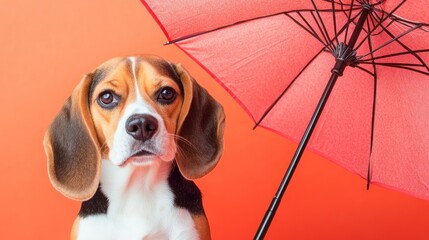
258, 122
368, 176
256, 125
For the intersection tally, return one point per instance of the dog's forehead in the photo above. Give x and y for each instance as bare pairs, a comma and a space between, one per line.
146, 65
161, 66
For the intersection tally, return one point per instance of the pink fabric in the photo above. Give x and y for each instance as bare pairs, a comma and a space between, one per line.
256, 60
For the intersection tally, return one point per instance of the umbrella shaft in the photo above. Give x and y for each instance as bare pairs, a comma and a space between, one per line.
269, 215
358, 28
337, 71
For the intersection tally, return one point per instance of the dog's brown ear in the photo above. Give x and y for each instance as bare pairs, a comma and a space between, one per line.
200, 127
72, 147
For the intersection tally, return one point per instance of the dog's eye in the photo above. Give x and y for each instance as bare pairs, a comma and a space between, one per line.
166, 95
108, 99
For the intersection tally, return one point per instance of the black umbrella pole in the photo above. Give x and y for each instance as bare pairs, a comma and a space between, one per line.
337, 71
269, 215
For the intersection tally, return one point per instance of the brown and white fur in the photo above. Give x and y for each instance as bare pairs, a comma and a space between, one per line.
128, 143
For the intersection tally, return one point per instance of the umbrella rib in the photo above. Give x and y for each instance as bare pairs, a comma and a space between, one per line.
394, 55
348, 20
365, 70
402, 67
396, 38
302, 70
286, 89
311, 30
219, 28
391, 22
324, 32
179, 39
371, 30
398, 19
378, 25
418, 58
393, 10
381, 20
388, 15
326, 43
393, 64
335, 22
374, 101
409, 23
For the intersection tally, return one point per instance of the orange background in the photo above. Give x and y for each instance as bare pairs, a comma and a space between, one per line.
45, 48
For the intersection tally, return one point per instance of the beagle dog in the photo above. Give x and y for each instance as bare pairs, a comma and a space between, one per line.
128, 142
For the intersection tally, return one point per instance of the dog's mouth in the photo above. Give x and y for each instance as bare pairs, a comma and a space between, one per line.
142, 153
142, 157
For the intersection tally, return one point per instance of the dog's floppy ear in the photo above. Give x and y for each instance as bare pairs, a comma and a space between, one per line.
72, 147
201, 123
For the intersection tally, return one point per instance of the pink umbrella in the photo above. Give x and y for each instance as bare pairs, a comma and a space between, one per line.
275, 59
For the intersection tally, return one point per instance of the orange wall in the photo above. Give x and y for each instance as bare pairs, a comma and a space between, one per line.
47, 45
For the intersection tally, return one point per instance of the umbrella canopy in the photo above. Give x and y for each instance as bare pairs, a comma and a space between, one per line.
276, 58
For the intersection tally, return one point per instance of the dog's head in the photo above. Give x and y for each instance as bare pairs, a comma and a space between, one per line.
134, 110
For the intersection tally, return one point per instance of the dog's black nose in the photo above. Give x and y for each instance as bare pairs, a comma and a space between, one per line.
141, 126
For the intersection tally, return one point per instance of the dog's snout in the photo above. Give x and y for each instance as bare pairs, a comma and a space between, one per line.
141, 126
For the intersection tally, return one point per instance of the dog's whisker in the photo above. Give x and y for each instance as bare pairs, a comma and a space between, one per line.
179, 151
184, 140
104, 146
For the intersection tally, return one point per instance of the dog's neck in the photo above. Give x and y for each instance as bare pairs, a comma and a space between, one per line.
132, 186
141, 204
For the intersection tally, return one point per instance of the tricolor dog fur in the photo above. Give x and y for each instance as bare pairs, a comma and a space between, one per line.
128, 142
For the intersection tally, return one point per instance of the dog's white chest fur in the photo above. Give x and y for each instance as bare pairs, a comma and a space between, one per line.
141, 206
